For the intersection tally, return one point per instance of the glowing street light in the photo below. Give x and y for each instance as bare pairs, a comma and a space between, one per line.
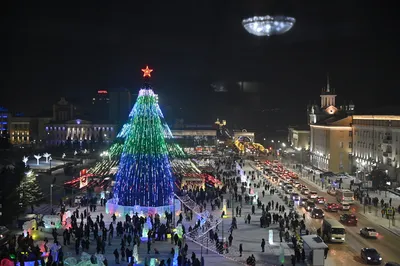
37, 158
47, 155
25, 160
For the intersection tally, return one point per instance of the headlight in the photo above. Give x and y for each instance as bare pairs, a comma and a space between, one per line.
333, 238
343, 238
368, 258
380, 258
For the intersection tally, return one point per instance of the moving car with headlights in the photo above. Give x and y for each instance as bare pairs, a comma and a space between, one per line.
317, 213
295, 196
302, 202
371, 256
310, 205
313, 195
305, 191
331, 207
368, 232
296, 184
349, 219
320, 200
333, 231
344, 206
288, 189
4, 235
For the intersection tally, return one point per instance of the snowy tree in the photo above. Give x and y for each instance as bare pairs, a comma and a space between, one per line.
29, 190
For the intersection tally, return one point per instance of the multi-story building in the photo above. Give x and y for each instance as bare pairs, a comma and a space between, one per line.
79, 131
376, 144
25, 130
331, 145
101, 105
63, 110
330, 133
120, 105
299, 138
3, 120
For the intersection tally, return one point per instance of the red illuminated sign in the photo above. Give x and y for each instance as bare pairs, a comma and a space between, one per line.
102, 92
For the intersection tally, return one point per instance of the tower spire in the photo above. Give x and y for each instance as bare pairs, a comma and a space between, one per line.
328, 89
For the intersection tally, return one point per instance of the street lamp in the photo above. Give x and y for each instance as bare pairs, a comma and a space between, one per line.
51, 198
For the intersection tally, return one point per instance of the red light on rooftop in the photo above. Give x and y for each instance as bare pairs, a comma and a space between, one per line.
102, 92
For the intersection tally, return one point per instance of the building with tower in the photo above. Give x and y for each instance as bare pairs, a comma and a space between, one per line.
331, 133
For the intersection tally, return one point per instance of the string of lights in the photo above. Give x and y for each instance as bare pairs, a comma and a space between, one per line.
144, 176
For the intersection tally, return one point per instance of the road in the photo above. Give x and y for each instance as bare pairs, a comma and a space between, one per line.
386, 244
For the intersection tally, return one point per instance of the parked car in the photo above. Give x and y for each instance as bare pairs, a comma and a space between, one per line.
317, 213
349, 219
371, 256
368, 232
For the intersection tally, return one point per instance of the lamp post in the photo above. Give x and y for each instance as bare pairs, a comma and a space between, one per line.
51, 198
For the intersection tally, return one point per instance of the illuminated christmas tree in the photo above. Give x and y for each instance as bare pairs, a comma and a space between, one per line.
144, 175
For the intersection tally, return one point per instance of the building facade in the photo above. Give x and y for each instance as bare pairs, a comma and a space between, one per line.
120, 105
331, 133
376, 144
79, 131
27, 130
331, 146
101, 105
63, 110
299, 139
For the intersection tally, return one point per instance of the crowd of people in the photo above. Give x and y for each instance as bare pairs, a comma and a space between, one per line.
98, 235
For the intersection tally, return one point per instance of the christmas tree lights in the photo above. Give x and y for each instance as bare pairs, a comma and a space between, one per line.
144, 176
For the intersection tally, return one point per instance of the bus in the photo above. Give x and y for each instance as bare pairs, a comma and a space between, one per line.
345, 196
333, 231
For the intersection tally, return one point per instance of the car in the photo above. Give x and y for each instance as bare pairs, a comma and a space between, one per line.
349, 219
368, 232
5, 234
391, 263
305, 191
344, 206
302, 201
296, 184
371, 256
317, 213
309, 205
331, 191
331, 207
320, 200
295, 196
313, 195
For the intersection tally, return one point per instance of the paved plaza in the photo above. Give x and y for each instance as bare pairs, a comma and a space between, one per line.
249, 235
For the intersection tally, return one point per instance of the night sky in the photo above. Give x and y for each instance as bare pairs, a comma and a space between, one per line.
54, 49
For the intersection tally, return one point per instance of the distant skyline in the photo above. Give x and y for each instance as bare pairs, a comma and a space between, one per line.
53, 50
